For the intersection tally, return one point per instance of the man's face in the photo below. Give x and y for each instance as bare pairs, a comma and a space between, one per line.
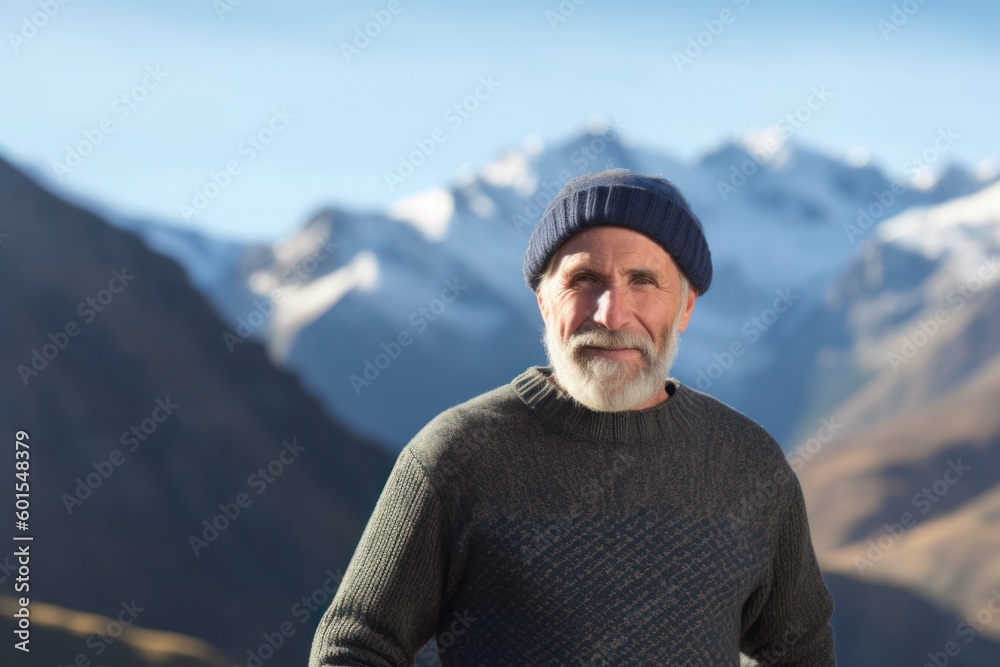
613, 307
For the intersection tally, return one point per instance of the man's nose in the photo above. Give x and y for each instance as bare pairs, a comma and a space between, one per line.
613, 310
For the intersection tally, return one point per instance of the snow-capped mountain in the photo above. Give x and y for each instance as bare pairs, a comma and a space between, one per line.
393, 316
912, 316
918, 311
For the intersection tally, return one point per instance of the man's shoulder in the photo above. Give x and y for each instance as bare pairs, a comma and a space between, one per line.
500, 404
717, 418
746, 454
465, 429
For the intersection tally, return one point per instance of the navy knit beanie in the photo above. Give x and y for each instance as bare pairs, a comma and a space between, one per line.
648, 204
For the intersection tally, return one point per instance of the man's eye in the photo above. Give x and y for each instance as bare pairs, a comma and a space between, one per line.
585, 277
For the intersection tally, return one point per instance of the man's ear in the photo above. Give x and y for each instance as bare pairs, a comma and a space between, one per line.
688, 309
543, 305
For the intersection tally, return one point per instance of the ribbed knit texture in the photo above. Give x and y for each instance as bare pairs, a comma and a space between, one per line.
648, 204
522, 528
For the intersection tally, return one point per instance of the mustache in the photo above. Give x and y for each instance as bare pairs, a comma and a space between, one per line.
613, 340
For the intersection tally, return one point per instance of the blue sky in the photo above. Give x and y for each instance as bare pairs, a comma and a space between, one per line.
327, 127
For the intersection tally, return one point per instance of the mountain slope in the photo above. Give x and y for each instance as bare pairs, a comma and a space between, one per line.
881, 625
914, 500
148, 436
912, 317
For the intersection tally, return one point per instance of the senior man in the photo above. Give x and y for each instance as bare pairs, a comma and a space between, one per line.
595, 511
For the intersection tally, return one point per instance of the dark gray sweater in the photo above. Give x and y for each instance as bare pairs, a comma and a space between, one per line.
522, 528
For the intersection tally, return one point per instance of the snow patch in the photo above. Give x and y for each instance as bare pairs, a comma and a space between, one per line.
303, 243
858, 157
430, 212
768, 145
511, 170
962, 231
302, 304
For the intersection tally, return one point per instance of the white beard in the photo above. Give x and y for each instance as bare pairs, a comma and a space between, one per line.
609, 385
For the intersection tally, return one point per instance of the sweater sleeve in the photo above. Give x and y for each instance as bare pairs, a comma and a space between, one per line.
388, 604
787, 620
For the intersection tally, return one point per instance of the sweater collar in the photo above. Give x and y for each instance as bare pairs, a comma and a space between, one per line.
677, 415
